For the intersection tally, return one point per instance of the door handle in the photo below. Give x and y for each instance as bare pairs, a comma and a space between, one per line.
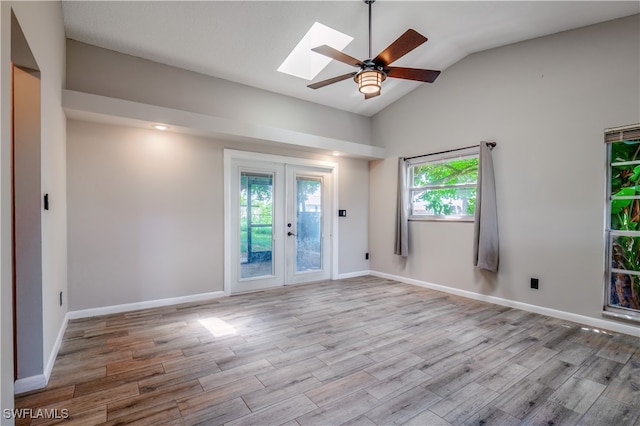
290, 233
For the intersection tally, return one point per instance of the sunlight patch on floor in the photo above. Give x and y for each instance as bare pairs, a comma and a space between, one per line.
217, 327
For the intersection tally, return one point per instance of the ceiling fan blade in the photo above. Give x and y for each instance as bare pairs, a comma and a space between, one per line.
331, 80
371, 95
337, 55
417, 74
403, 45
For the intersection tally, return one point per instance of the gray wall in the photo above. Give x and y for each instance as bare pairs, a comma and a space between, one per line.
353, 229
146, 213
104, 72
546, 102
42, 25
145, 208
143, 215
28, 222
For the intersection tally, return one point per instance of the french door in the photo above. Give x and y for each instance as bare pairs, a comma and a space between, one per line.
280, 221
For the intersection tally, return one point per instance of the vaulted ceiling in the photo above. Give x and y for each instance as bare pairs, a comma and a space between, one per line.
246, 41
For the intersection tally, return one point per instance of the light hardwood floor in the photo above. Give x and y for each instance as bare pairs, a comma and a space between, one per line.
360, 351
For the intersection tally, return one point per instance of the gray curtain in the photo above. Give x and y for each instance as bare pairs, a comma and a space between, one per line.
402, 214
485, 243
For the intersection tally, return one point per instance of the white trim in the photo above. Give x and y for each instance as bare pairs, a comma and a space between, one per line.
41, 380
625, 163
568, 316
116, 309
257, 156
352, 275
456, 154
29, 383
335, 238
227, 262
625, 197
614, 233
232, 154
56, 348
618, 313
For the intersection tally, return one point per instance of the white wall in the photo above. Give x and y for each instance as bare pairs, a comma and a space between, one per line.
104, 72
43, 27
546, 102
146, 214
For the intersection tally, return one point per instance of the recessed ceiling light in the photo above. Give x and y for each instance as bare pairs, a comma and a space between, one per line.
336, 153
303, 62
161, 127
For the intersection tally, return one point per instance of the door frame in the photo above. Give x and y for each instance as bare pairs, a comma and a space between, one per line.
231, 154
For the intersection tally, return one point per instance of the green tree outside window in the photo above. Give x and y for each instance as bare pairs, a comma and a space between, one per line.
445, 188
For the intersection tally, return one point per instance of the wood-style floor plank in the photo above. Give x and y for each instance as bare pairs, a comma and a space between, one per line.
460, 405
340, 411
226, 392
361, 351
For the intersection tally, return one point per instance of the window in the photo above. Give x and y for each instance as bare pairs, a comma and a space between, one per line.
622, 278
443, 186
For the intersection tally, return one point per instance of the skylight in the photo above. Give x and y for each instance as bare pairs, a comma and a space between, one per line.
304, 63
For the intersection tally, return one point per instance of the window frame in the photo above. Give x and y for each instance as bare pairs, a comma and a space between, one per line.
616, 135
458, 154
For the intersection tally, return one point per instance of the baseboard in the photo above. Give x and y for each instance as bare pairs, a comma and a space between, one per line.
568, 316
353, 275
56, 348
39, 381
30, 383
116, 309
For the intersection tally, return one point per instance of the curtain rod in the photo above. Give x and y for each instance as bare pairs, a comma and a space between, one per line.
491, 145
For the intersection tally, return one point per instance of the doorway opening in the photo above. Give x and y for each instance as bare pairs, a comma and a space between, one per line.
26, 196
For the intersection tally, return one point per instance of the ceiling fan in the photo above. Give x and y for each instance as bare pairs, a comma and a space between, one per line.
374, 71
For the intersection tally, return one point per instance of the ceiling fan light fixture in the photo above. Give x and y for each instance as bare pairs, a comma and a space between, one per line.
373, 71
370, 81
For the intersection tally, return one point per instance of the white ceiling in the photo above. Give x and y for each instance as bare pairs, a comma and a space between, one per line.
246, 41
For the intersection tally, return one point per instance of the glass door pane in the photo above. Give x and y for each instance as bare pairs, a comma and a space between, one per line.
308, 224
256, 225
279, 230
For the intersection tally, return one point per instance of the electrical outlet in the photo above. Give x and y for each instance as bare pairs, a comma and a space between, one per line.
366, 256
534, 283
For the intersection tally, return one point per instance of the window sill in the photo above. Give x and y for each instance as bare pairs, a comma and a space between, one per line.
441, 219
624, 317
